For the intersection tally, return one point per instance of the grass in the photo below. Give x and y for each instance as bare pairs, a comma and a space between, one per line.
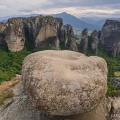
6, 94
5, 85
117, 74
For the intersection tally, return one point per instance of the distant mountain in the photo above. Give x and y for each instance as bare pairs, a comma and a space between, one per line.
75, 22
88, 20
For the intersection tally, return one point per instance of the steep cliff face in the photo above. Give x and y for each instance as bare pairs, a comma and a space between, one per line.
43, 31
14, 34
110, 37
67, 38
37, 32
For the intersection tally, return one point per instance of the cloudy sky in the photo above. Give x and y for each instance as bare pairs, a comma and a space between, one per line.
79, 8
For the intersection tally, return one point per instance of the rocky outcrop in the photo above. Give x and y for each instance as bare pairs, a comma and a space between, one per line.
94, 42
43, 31
72, 45
36, 32
14, 34
113, 106
65, 31
84, 41
66, 37
110, 37
64, 82
115, 82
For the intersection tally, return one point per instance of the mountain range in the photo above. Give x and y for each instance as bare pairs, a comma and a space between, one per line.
77, 23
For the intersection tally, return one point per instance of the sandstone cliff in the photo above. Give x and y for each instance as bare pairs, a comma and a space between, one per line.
110, 37
14, 34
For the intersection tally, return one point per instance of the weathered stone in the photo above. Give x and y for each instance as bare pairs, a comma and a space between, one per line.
43, 31
115, 82
65, 34
23, 110
72, 45
113, 108
84, 41
2, 27
64, 82
94, 42
14, 34
110, 37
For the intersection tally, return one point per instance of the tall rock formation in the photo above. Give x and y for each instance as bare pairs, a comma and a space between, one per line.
66, 37
94, 42
43, 31
14, 34
72, 45
110, 37
36, 32
84, 41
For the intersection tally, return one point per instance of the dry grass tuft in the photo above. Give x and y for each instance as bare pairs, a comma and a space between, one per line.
12, 82
4, 92
117, 74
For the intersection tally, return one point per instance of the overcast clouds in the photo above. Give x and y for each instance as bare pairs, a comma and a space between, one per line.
79, 8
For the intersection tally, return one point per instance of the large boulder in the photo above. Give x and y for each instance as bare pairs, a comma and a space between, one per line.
94, 42
64, 82
110, 37
84, 41
14, 34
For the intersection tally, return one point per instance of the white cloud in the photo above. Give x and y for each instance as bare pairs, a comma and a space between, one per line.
3, 7
101, 8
